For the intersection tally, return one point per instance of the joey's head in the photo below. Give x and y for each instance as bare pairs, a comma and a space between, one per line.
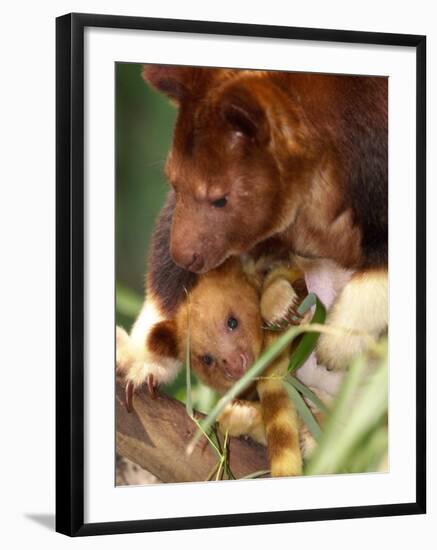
226, 335
238, 163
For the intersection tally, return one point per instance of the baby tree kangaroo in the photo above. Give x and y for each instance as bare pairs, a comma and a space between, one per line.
224, 313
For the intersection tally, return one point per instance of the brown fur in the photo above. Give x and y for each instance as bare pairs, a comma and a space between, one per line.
275, 402
162, 339
280, 437
302, 157
279, 415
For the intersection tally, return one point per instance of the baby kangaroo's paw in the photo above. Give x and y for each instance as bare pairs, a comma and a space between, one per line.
242, 418
278, 302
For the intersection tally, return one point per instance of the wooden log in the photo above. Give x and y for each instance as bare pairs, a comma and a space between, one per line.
156, 433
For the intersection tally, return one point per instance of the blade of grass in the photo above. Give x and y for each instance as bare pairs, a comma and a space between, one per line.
216, 443
226, 455
306, 392
303, 410
208, 436
189, 399
213, 472
357, 409
309, 340
219, 475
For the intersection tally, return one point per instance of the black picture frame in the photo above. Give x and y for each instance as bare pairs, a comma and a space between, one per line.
70, 273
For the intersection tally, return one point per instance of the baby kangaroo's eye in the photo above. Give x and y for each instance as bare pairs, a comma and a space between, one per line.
220, 203
207, 359
232, 323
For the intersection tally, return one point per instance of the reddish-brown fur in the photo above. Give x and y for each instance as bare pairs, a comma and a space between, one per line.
162, 339
298, 157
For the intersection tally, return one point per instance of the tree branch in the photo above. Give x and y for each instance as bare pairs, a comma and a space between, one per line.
157, 431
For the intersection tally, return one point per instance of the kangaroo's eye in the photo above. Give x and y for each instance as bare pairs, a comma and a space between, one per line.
232, 323
220, 203
207, 359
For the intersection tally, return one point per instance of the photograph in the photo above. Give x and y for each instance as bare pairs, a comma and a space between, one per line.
251, 274
241, 285
222, 211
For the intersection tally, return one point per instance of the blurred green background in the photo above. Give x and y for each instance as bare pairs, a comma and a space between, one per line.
144, 125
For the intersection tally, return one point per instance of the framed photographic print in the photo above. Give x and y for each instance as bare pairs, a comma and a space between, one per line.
240, 274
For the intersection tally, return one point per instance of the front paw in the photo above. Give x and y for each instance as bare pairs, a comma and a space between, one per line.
130, 390
242, 418
150, 373
360, 315
144, 371
278, 302
336, 351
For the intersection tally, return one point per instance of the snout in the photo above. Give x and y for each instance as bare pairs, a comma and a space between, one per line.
188, 259
236, 365
184, 251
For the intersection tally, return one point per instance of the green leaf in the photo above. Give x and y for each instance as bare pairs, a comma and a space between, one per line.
189, 398
306, 392
309, 340
303, 410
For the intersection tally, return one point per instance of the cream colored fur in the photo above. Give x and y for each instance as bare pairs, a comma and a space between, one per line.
361, 307
243, 418
134, 360
277, 300
319, 377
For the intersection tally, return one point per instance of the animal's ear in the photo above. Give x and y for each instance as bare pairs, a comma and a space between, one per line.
178, 83
162, 339
244, 113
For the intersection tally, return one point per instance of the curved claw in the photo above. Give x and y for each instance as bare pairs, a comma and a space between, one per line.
152, 385
293, 318
129, 392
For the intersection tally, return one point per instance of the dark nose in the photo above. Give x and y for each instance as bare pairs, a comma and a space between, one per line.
235, 366
188, 260
196, 262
